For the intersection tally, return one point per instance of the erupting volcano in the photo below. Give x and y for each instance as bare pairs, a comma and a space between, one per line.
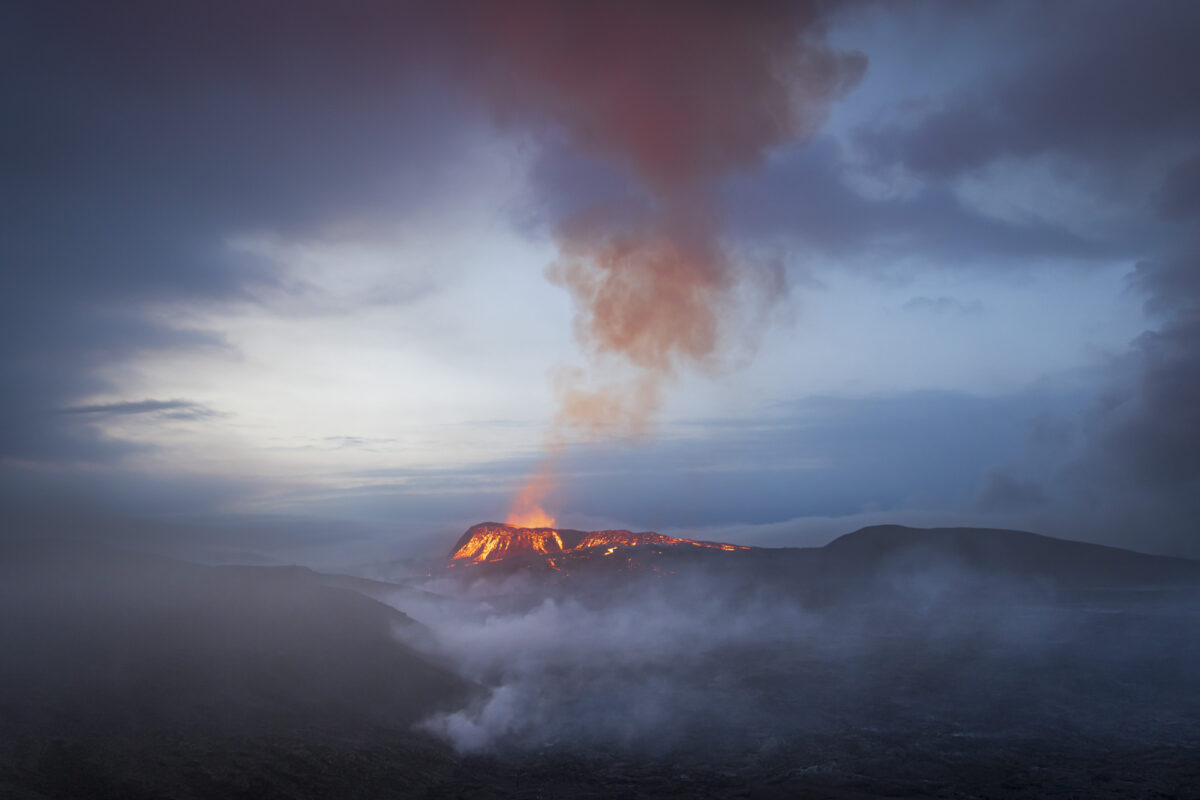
493, 541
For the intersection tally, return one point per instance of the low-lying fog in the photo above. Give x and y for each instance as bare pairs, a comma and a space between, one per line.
134, 676
695, 664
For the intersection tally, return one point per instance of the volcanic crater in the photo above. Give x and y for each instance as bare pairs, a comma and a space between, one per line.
495, 541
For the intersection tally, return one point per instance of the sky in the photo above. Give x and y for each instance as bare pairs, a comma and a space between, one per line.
334, 277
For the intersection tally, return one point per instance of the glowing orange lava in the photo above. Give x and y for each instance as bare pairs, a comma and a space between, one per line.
533, 517
491, 541
488, 541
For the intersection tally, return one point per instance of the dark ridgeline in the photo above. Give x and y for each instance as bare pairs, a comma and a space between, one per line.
1009, 552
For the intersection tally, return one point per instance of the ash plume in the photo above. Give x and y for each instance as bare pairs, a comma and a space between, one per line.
527, 508
680, 95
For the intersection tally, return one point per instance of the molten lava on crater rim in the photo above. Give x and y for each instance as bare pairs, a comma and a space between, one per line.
494, 541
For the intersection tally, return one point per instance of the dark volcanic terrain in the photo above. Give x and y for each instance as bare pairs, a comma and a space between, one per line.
891, 663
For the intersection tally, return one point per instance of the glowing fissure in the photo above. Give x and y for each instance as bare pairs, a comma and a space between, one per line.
492, 541
628, 539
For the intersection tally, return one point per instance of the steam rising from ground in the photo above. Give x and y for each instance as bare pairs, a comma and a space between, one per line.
626, 674
726, 671
199, 680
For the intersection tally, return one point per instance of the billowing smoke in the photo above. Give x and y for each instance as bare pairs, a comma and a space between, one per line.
527, 511
647, 672
735, 660
680, 95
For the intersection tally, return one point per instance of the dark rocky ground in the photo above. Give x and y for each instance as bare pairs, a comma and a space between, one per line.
853, 763
126, 676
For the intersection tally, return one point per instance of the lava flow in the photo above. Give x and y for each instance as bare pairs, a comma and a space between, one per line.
493, 541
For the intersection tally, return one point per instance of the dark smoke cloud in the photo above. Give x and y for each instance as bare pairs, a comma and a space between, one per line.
679, 92
679, 96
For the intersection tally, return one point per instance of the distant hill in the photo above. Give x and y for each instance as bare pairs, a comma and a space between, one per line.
998, 551
868, 560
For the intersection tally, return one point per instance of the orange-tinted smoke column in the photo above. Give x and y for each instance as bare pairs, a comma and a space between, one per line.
526, 511
680, 94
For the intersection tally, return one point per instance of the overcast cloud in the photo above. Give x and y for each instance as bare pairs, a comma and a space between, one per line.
290, 259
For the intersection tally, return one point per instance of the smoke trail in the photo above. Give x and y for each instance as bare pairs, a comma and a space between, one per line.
527, 511
681, 95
